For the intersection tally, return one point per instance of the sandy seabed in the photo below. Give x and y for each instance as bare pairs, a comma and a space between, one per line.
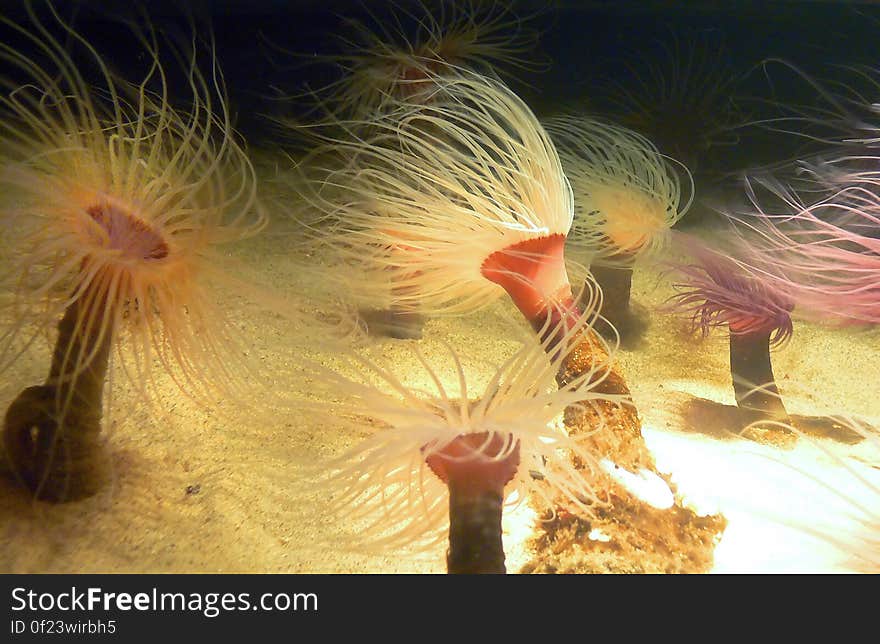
220, 490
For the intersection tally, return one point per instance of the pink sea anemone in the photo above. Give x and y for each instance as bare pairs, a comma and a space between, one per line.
825, 255
715, 291
813, 228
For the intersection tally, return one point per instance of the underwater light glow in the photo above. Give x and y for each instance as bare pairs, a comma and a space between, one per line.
517, 529
795, 511
645, 485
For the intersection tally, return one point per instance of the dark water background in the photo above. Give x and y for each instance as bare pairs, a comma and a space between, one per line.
590, 46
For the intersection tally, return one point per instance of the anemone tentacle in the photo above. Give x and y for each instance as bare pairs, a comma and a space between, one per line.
627, 195
416, 202
825, 254
387, 479
717, 291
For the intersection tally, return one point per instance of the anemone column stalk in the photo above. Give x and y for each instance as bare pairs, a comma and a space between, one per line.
754, 384
717, 291
51, 431
120, 202
476, 468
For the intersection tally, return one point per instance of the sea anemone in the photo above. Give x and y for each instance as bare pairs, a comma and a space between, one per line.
116, 202
716, 291
437, 455
825, 255
381, 66
627, 196
813, 227
680, 96
441, 201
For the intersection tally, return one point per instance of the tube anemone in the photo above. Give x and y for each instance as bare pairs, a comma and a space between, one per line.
117, 204
825, 255
680, 97
437, 454
381, 67
627, 196
445, 204
820, 238
715, 292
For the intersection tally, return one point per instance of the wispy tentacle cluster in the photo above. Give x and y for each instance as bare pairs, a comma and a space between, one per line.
825, 255
386, 479
715, 290
627, 195
415, 205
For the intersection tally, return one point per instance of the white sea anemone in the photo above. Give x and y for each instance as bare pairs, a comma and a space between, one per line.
115, 204
384, 480
416, 202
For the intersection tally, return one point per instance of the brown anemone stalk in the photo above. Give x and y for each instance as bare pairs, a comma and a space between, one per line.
115, 202
716, 291
533, 275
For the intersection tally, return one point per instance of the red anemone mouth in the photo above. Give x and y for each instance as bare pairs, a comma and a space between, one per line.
126, 233
533, 274
746, 325
481, 461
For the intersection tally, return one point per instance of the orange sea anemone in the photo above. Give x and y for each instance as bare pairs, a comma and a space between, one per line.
627, 197
115, 203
